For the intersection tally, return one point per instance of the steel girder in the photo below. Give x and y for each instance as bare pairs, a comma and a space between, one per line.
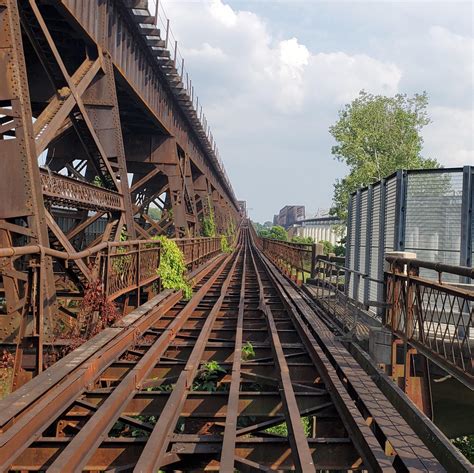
91, 140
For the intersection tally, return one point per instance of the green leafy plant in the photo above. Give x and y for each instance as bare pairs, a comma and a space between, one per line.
466, 446
375, 136
247, 351
275, 233
172, 267
282, 429
225, 247
230, 228
301, 239
208, 224
208, 376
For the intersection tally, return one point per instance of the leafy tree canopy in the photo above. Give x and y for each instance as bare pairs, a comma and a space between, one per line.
300, 239
375, 136
276, 232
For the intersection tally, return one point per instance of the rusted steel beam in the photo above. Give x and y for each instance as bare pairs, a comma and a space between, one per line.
230, 432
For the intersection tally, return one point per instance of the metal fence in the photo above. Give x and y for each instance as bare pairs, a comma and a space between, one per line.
295, 260
434, 316
428, 212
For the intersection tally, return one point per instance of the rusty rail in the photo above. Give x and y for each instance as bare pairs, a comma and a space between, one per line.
434, 316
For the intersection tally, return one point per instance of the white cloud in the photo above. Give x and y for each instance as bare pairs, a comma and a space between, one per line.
271, 97
223, 13
450, 138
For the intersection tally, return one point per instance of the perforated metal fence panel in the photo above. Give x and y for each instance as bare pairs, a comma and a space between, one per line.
433, 216
427, 212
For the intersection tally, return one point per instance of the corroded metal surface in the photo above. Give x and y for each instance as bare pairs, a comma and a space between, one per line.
96, 147
201, 385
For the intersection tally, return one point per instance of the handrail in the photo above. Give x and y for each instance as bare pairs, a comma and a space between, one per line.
415, 263
65, 255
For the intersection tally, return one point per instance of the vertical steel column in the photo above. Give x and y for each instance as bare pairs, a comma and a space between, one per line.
355, 285
368, 249
466, 216
400, 213
381, 256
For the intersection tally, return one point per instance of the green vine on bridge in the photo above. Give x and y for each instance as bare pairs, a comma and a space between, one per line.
172, 267
208, 223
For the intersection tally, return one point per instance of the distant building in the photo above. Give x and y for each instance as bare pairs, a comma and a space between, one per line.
242, 208
289, 215
318, 228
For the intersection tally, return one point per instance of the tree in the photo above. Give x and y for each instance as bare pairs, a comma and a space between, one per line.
275, 233
328, 247
301, 239
375, 136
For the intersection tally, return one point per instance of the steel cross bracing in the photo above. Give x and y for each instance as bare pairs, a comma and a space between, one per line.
141, 397
96, 146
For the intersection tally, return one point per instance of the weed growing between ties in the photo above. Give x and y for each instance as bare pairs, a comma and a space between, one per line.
209, 376
282, 429
248, 352
172, 267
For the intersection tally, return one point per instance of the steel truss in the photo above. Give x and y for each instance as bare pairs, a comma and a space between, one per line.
94, 148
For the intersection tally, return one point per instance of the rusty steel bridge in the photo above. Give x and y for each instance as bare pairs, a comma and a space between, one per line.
269, 366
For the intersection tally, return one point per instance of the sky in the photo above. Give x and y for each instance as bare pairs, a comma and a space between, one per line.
272, 75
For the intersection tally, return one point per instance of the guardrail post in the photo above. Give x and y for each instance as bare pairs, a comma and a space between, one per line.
313, 260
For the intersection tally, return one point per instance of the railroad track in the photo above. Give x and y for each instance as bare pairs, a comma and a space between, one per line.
243, 377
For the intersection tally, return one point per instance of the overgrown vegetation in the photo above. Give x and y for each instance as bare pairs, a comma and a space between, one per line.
466, 446
225, 247
172, 267
329, 248
208, 376
248, 351
208, 224
302, 240
276, 232
282, 429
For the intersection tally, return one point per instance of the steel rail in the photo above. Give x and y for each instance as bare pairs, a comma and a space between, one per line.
25, 414
386, 424
81, 448
152, 457
64, 419
297, 437
230, 430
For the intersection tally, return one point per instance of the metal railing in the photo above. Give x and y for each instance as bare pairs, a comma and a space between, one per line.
121, 266
68, 191
434, 316
295, 260
330, 283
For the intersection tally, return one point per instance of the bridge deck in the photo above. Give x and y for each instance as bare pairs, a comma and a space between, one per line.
219, 383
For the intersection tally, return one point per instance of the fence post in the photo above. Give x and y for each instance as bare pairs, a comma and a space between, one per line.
313, 260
